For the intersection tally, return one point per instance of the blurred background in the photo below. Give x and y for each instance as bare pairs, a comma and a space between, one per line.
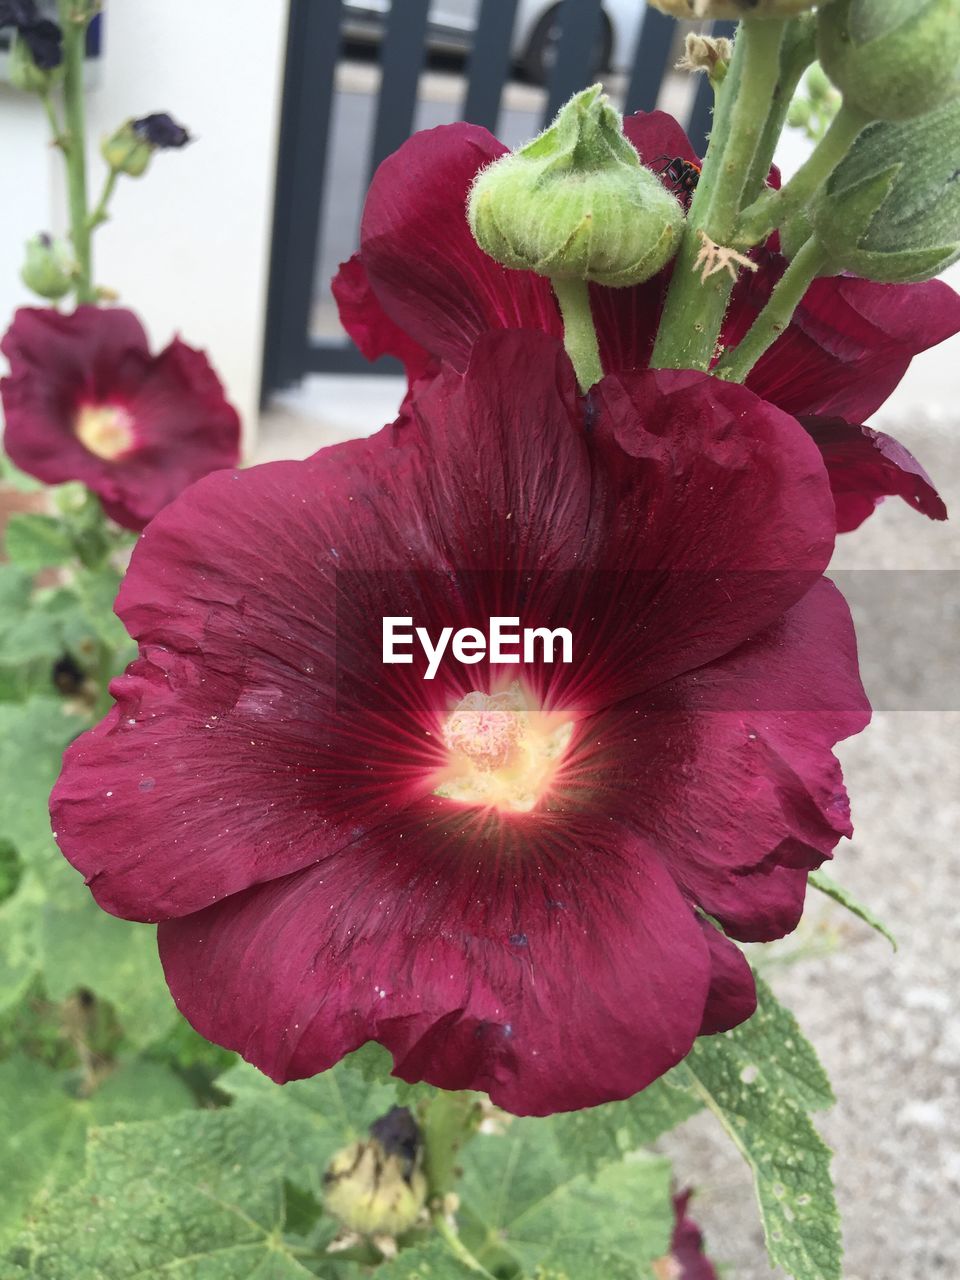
232, 243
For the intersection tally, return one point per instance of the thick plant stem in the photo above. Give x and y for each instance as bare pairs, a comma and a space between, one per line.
448, 1121
773, 208
695, 308
579, 334
810, 262
74, 39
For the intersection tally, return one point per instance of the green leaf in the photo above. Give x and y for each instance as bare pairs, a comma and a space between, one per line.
35, 542
593, 1137
761, 1080
81, 946
19, 941
16, 478
199, 1195
97, 590
33, 736
846, 899
43, 1128
11, 870
429, 1261
523, 1202
315, 1117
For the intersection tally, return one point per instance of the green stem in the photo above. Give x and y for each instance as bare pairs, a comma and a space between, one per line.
809, 263
579, 334
456, 1245
774, 208
762, 39
796, 53
74, 40
100, 214
448, 1121
694, 309
56, 132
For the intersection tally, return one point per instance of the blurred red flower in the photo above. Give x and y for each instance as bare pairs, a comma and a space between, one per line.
502, 874
85, 400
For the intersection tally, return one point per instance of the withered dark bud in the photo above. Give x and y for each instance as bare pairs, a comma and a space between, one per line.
377, 1188
160, 131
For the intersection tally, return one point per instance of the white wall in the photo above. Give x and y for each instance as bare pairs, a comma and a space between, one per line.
189, 245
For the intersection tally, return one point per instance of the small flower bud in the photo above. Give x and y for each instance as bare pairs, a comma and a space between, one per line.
891, 210
34, 65
377, 1188
733, 8
49, 267
892, 59
576, 203
130, 149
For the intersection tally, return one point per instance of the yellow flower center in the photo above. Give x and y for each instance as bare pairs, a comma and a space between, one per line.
502, 752
104, 429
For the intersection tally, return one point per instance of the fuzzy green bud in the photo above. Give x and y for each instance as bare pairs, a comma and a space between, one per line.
377, 1187
25, 74
891, 210
576, 203
892, 59
49, 268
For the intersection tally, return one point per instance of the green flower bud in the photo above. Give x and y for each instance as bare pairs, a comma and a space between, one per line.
25, 73
126, 151
735, 9
576, 203
893, 59
377, 1187
891, 210
799, 113
49, 268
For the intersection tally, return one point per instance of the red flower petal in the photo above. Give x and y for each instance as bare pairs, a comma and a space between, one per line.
368, 324
265, 772
747, 767
182, 425
657, 137
476, 972
430, 275
687, 1244
849, 343
865, 466
732, 998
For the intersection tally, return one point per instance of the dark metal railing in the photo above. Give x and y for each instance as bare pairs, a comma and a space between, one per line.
313, 49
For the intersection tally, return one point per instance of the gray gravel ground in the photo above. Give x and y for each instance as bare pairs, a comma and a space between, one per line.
887, 1026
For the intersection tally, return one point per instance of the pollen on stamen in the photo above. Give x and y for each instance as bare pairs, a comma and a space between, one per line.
104, 429
503, 751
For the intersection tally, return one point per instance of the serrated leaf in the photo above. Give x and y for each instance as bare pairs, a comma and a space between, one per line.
760, 1080
43, 1128
375, 1064
315, 1117
846, 899
199, 1195
522, 1199
35, 542
594, 1137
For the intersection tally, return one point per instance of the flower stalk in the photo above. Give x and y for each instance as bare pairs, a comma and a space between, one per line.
810, 262
774, 208
579, 333
74, 41
695, 308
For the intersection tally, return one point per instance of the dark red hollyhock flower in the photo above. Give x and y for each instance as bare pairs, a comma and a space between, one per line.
420, 279
85, 400
498, 870
686, 1247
